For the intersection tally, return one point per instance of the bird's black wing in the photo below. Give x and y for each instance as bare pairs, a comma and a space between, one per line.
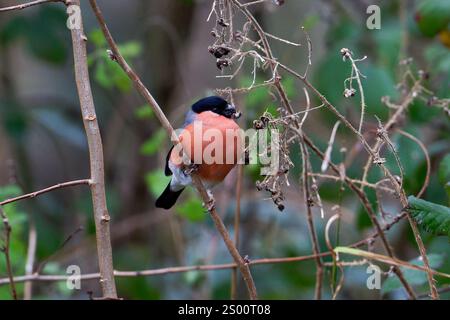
167, 170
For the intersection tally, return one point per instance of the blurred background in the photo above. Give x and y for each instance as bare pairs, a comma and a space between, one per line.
42, 142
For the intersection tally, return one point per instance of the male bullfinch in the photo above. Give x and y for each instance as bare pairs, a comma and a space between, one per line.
211, 140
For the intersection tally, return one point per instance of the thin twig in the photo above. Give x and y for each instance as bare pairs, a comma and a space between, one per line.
31, 255
170, 270
427, 159
6, 252
49, 189
325, 162
27, 5
366, 203
237, 220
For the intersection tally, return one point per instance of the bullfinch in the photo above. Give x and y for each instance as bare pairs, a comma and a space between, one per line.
212, 142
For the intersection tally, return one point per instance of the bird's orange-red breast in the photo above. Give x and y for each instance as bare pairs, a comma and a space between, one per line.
217, 151
211, 139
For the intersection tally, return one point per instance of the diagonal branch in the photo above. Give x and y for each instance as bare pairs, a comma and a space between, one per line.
115, 55
27, 5
39, 192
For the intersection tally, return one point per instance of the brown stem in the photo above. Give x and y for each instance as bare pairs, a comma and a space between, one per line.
237, 220
27, 5
312, 229
39, 192
170, 270
366, 203
6, 252
322, 98
97, 181
115, 55
31, 254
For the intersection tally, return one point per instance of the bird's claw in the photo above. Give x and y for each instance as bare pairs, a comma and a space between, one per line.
211, 204
191, 168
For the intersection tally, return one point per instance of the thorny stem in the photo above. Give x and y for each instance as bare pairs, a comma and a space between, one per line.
289, 108
356, 74
312, 231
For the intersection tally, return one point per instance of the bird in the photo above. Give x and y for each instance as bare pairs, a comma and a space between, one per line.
211, 140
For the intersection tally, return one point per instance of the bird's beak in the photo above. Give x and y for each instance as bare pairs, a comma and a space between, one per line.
230, 112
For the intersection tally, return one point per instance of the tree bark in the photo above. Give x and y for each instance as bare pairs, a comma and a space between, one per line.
97, 183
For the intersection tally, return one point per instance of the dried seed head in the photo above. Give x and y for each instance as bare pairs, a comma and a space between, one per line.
346, 53
258, 124
222, 63
221, 22
406, 61
349, 92
218, 51
423, 74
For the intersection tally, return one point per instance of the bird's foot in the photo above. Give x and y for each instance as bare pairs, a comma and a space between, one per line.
191, 168
210, 205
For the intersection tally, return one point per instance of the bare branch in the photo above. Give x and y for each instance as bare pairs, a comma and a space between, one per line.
237, 220
27, 5
243, 265
97, 181
31, 255
39, 192
6, 252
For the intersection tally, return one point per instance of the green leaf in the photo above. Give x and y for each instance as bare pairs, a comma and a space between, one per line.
101, 75
414, 277
444, 170
311, 21
433, 217
152, 145
97, 38
130, 49
438, 58
379, 83
156, 182
444, 174
49, 41
433, 16
144, 112
192, 210
14, 28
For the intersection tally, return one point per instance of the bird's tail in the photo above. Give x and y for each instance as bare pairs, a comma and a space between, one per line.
168, 198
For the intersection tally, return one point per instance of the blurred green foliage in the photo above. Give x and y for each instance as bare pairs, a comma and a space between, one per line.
265, 232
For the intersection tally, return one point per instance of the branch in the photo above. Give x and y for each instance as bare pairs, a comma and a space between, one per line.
27, 5
237, 219
170, 270
31, 254
97, 181
6, 252
115, 55
39, 192
273, 65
